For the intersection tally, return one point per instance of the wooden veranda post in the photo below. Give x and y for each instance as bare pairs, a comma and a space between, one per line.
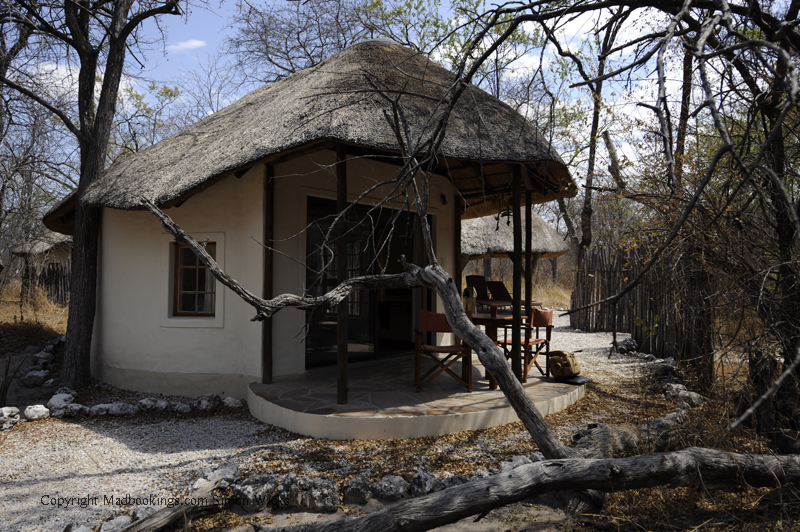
269, 264
516, 324
457, 269
341, 276
528, 269
528, 243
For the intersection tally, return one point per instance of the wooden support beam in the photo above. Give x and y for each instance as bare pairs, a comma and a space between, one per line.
341, 276
269, 266
528, 257
459, 265
516, 361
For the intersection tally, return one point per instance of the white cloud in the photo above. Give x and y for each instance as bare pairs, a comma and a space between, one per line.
187, 45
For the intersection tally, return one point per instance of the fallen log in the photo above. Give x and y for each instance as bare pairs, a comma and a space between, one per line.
194, 503
689, 467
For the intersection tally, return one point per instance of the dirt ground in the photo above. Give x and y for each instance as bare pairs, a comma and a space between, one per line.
537, 514
20, 395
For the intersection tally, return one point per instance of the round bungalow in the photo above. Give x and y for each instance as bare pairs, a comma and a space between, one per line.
264, 169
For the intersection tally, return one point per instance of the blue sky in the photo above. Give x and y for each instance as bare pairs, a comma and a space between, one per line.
189, 40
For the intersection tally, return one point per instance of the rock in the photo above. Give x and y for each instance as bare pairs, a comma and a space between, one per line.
647, 358
391, 488
666, 422
693, 399
160, 405
228, 472
46, 354
199, 483
256, 493
206, 401
425, 483
9, 416
81, 528
146, 404
143, 512
99, 410
664, 374
116, 524
621, 349
536, 456
179, 406
75, 409
232, 402
36, 412
35, 378
49, 383
60, 401
672, 389
514, 462
479, 474
321, 493
67, 391
122, 409
57, 412
357, 491
629, 344
455, 480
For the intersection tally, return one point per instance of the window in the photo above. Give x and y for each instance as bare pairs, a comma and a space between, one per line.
195, 286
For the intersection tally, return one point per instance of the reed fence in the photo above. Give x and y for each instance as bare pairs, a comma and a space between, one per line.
657, 313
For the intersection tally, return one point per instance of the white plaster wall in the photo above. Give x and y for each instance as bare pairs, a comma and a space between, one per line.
314, 175
137, 344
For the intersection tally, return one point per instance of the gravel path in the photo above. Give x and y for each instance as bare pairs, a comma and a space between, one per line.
92, 461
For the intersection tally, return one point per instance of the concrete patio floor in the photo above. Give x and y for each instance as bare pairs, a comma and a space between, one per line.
383, 403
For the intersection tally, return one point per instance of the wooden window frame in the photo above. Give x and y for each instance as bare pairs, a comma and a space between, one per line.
176, 292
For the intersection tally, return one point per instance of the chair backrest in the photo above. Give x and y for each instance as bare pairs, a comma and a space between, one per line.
432, 322
478, 282
499, 290
542, 318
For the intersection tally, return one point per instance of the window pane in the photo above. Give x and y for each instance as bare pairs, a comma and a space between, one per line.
195, 286
186, 303
188, 280
188, 258
205, 281
205, 302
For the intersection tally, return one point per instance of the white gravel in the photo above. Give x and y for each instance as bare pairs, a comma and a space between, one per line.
93, 462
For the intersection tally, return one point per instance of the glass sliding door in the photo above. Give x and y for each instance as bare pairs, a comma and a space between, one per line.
380, 322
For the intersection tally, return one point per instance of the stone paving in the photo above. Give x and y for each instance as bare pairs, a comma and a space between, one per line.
385, 388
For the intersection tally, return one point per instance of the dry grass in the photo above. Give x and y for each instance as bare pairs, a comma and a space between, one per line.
552, 293
31, 323
667, 508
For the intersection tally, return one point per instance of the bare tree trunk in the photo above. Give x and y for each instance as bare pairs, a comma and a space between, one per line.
683, 120
76, 368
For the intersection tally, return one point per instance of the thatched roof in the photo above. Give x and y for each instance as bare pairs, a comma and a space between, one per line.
43, 244
342, 100
482, 237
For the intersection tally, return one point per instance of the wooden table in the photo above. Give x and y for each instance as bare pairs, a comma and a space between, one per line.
494, 304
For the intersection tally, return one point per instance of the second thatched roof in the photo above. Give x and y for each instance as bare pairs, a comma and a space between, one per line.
43, 244
484, 237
